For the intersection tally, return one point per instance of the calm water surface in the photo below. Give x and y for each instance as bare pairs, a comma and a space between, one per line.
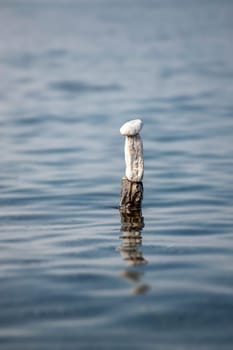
72, 72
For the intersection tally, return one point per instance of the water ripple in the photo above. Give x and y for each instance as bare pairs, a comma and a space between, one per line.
74, 272
79, 87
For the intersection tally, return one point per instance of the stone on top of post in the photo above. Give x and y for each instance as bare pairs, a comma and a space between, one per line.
131, 128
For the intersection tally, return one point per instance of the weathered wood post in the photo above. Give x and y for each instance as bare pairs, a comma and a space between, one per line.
131, 184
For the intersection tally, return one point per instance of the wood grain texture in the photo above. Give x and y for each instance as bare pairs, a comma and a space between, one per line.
131, 194
134, 158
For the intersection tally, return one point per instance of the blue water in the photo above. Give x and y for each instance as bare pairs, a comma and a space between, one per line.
71, 73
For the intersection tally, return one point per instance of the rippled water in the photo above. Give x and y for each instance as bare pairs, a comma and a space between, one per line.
72, 72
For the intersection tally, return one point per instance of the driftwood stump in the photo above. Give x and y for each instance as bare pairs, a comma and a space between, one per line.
131, 184
131, 194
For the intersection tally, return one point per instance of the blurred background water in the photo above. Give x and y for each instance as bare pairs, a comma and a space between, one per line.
71, 73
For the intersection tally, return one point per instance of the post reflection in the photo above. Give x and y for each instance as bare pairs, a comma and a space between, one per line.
132, 223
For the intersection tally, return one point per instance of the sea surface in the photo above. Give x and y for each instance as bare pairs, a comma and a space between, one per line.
75, 273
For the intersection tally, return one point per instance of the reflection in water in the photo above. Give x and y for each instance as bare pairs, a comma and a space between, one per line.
132, 223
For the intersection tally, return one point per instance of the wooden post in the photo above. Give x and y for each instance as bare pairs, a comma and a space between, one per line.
131, 185
131, 195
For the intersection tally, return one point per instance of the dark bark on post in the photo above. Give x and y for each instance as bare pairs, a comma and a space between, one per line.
131, 195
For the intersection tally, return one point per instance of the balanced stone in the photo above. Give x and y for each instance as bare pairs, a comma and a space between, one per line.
131, 128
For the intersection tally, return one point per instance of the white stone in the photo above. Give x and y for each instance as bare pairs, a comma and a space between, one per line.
134, 158
131, 128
